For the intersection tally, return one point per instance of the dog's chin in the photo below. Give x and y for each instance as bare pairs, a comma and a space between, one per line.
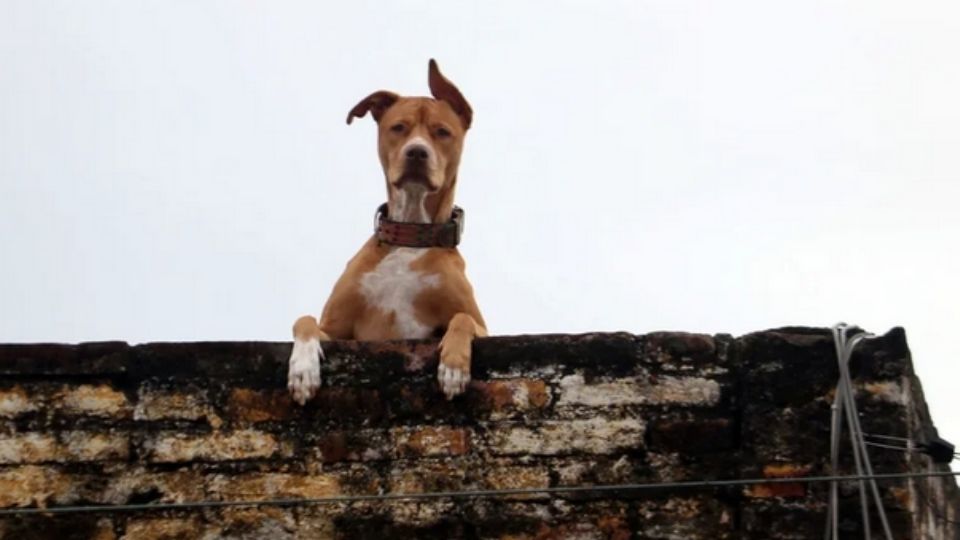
414, 182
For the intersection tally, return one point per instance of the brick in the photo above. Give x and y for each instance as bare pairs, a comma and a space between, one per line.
579, 531
692, 436
251, 406
69, 446
341, 402
506, 396
886, 391
780, 470
162, 528
357, 445
28, 448
426, 476
140, 484
420, 514
85, 446
431, 441
34, 485
172, 447
50, 359
16, 401
667, 390
255, 523
512, 477
577, 471
104, 530
92, 400
315, 524
680, 347
189, 404
594, 436
615, 527
275, 486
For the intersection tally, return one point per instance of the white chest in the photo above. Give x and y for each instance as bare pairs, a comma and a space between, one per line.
392, 287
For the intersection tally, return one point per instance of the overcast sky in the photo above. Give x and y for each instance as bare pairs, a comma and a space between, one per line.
177, 170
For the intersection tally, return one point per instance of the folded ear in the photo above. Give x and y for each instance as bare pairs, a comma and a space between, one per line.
444, 90
377, 103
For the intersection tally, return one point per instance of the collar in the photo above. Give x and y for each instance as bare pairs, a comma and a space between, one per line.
419, 235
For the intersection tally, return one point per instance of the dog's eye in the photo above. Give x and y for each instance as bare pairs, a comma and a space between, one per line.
443, 132
398, 128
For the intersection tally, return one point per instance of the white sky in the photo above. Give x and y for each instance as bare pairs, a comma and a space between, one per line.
176, 170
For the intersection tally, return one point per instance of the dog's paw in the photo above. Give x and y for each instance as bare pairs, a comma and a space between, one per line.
303, 379
454, 371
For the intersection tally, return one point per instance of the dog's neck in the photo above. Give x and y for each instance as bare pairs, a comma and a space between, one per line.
413, 204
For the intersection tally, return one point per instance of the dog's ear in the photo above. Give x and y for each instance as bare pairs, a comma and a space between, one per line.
444, 90
377, 103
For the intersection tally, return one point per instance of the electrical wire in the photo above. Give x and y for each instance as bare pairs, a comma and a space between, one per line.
892, 447
488, 493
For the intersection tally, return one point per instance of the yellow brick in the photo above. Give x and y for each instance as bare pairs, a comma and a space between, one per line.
15, 401
92, 400
31, 484
275, 486
241, 444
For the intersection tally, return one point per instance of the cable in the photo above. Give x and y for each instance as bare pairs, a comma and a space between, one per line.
887, 437
603, 488
844, 405
940, 450
891, 447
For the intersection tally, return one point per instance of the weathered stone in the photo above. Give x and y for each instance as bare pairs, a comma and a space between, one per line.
428, 476
692, 436
254, 523
431, 441
341, 403
667, 390
614, 469
68, 446
680, 348
85, 446
92, 400
33, 485
15, 401
250, 406
594, 436
357, 445
153, 528
512, 477
780, 470
143, 485
169, 447
29, 448
188, 403
274, 486
57, 360
504, 397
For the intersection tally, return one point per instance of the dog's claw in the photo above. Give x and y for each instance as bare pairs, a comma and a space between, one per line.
453, 381
303, 379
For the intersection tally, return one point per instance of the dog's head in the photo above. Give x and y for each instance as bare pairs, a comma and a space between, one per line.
420, 139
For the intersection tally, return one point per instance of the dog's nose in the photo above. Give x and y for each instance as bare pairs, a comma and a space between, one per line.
417, 152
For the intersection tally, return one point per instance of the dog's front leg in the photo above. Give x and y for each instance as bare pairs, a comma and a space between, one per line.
454, 371
303, 377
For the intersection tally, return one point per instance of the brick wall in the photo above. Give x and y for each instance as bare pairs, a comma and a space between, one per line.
107, 423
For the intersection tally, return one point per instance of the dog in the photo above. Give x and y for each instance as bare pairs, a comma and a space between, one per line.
408, 280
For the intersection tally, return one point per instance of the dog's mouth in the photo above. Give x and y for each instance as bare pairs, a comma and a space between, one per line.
413, 180
415, 176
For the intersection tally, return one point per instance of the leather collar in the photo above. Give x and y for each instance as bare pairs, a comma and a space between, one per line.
419, 235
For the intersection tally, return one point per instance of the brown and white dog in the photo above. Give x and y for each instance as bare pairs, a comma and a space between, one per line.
407, 281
